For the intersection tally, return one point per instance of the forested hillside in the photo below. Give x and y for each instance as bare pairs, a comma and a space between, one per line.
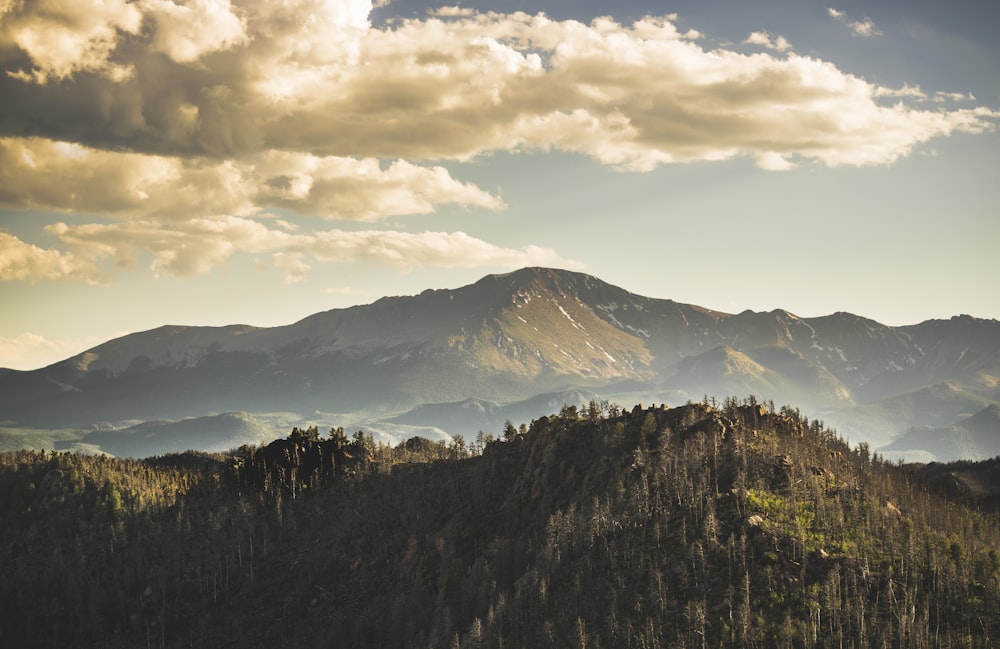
694, 526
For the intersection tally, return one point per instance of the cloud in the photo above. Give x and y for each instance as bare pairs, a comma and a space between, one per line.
39, 173
180, 248
351, 189
779, 44
452, 11
443, 249
196, 246
187, 32
24, 261
182, 127
773, 161
631, 97
862, 28
63, 37
457, 86
44, 174
292, 264
913, 92
941, 96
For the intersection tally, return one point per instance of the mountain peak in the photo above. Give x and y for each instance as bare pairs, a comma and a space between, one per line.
538, 278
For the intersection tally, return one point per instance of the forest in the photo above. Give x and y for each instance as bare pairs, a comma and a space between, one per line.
731, 524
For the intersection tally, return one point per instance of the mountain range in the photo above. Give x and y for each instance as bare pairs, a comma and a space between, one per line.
456, 361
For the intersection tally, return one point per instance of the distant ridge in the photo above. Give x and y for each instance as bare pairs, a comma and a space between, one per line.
506, 339
972, 438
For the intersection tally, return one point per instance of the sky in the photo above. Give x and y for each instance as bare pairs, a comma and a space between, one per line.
212, 162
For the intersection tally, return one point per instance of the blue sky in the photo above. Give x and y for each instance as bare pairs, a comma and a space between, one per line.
241, 161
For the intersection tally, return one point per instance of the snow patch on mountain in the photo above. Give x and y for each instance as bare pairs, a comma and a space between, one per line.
568, 316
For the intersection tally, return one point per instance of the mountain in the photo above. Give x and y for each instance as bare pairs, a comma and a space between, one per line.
973, 438
934, 406
479, 415
502, 340
690, 526
395, 353
215, 433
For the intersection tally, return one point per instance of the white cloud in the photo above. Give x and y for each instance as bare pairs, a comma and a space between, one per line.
55, 175
332, 86
63, 37
196, 246
779, 44
444, 249
773, 161
292, 264
185, 32
180, 125
25, 261
46, 174
445, 12
906, 91
179, 248
864, 28
347, 188
914, 92
941, 96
